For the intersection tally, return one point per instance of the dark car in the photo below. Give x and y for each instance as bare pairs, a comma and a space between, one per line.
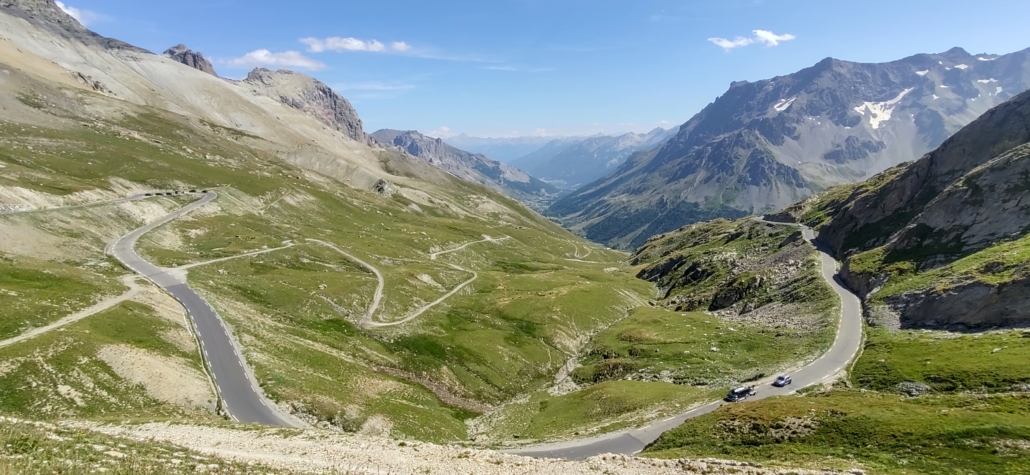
741, 393
783, 381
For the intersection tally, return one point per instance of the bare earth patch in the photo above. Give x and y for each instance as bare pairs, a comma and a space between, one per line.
164, 378
319, 451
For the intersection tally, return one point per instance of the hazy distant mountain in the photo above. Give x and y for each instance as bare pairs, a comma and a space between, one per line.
504, 149
543, 154
469, 166
763, 145
578, 162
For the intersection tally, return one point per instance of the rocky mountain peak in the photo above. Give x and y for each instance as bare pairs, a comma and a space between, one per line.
193, 59
310, 95
47, 15
765, 144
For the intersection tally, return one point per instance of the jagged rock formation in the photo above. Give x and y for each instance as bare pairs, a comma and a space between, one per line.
311, 96
472, 167
578, 162
190, 58
764, 145
943, 242
45, 14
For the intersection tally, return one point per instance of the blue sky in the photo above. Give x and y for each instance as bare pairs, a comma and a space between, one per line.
549, 67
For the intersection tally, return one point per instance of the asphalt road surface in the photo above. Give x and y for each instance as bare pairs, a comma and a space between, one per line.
241, 398
835, 360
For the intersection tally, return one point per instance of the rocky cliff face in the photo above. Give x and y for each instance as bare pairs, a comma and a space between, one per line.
944, 242
311, 96
45, 14
872, 216
472, 167
190, 58
764, 145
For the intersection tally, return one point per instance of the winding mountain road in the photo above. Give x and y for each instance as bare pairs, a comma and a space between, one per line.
241, 397
243, 401
845, 348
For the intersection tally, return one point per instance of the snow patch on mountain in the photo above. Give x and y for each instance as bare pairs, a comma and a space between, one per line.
981, 58
784, 104
880, 112
962, 66
923, 73
986, 81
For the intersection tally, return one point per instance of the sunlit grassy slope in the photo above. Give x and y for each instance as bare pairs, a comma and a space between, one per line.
297, 312
974, 417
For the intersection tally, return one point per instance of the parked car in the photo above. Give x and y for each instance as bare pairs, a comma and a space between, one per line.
782, 381
741, 393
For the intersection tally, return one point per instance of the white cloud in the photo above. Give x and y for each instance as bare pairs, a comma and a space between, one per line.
287, 59
400, 46
338, 44
730, 44
772, 39
443, 132
765, 37
84, 17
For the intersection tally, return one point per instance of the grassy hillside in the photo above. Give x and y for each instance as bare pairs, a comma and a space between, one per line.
525, 301
973, 414
738, 300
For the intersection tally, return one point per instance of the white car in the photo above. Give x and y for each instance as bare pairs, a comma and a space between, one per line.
782, 381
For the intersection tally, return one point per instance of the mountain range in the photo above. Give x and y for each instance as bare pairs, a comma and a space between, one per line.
764, 145
503, 149
573, 162
472, 167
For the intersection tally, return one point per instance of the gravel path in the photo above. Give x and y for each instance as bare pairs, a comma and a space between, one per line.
134, 290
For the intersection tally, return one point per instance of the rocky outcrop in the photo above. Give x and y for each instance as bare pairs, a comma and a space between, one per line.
190, 58
741, 270
468, 166
970, 306
48, 16
310, 96
764, 145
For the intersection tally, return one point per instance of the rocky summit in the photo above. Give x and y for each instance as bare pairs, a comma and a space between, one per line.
309, 95
764, 145
46, 15
190, 58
